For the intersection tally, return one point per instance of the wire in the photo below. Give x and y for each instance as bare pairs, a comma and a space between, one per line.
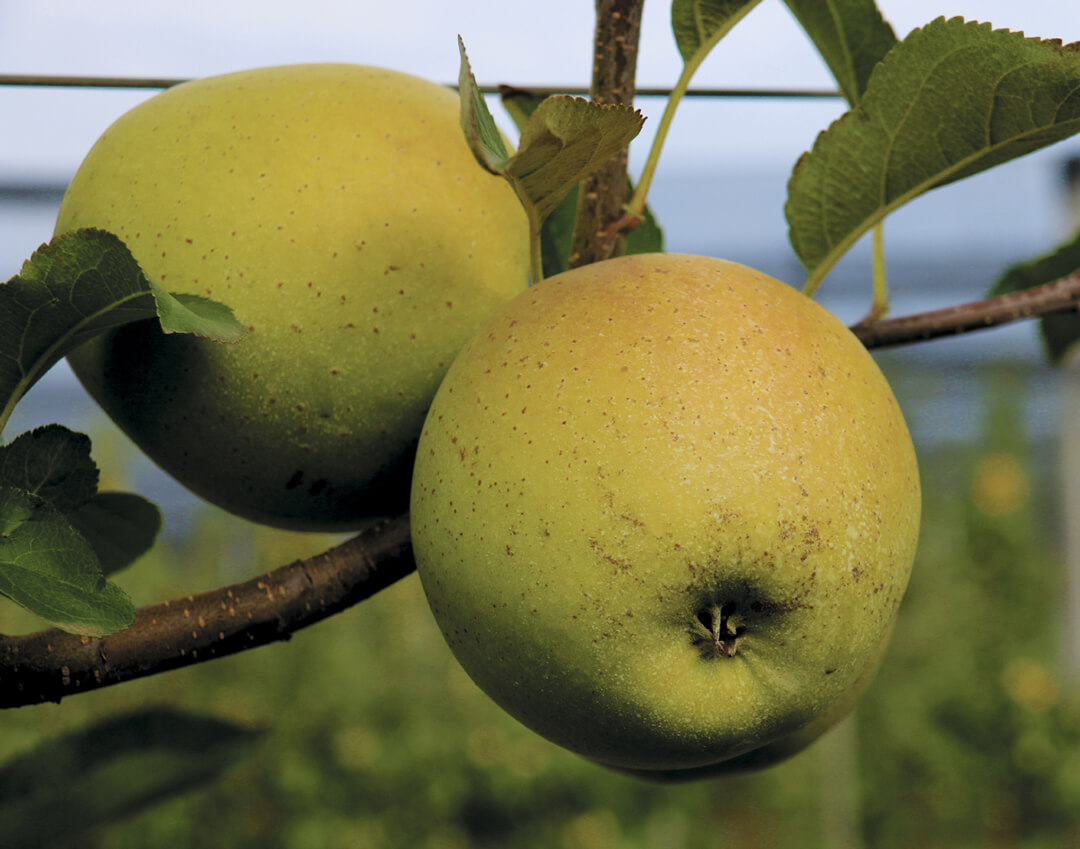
54, 81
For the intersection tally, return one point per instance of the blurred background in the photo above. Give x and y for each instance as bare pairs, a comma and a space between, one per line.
375, 738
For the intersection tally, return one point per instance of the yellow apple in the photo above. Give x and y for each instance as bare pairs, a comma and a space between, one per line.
338, 210
664, 510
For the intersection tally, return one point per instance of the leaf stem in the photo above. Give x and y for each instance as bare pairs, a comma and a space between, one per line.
536, 256
636, 206
879, 305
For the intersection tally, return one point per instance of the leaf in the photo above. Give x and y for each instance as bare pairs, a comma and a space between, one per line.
566, 140
80, 284
1060, 331
53, 463
699, 24
952, 99
851, 35
557, 231
113, 769
483, 136
563, 141
48, 568
119, 526
194, 314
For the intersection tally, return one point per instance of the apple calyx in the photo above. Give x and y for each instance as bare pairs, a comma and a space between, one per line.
722, 631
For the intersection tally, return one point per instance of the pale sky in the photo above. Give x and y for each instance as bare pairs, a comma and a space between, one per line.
47, 132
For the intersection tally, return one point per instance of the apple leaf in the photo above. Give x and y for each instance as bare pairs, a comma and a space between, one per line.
1060, 331
699, 24
112, 769
194, 314
557, 230
78, 285
52, 463
951, 100
483, 136
119, 526
564, 140
47, 567
851, 35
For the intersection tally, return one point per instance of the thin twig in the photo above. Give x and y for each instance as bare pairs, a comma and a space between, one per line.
1060, 296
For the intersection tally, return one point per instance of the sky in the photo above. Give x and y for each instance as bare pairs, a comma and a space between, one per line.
47, 132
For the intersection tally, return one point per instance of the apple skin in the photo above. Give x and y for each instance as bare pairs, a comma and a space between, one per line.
784, 748
636, 460
337, 209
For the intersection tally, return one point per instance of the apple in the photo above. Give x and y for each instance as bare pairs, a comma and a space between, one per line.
664, 510
780, 750
338, 210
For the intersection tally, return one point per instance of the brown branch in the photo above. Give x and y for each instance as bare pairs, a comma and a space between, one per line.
1061, 296
48, 665
602, 195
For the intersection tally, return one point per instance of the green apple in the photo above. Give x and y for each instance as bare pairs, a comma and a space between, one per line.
338, 210
664, 510
779, 750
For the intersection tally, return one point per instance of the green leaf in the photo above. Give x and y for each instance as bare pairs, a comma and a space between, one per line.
699, 24
119, 526
557, 231
482, 135
80, 284
563, 140
1060, 331
851, 35
194, 314
952, 99
47, 567
566, 140
113, 769
53, 463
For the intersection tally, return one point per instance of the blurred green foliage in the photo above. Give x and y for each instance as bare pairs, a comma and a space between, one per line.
970, 736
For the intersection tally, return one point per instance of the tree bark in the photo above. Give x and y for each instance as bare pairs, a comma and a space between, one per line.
602, 196
1060, 296
48, 665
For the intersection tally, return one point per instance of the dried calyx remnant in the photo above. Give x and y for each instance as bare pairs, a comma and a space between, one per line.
722, 629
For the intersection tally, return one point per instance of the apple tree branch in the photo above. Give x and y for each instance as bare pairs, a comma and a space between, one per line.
602, 196
47, 666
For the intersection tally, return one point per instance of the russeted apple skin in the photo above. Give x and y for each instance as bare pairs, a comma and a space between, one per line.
633, 444
337, 209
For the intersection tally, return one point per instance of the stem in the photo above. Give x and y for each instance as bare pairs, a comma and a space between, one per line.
602, 195
636, 206
879, 306
536, 255
1060, 296
48, 665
